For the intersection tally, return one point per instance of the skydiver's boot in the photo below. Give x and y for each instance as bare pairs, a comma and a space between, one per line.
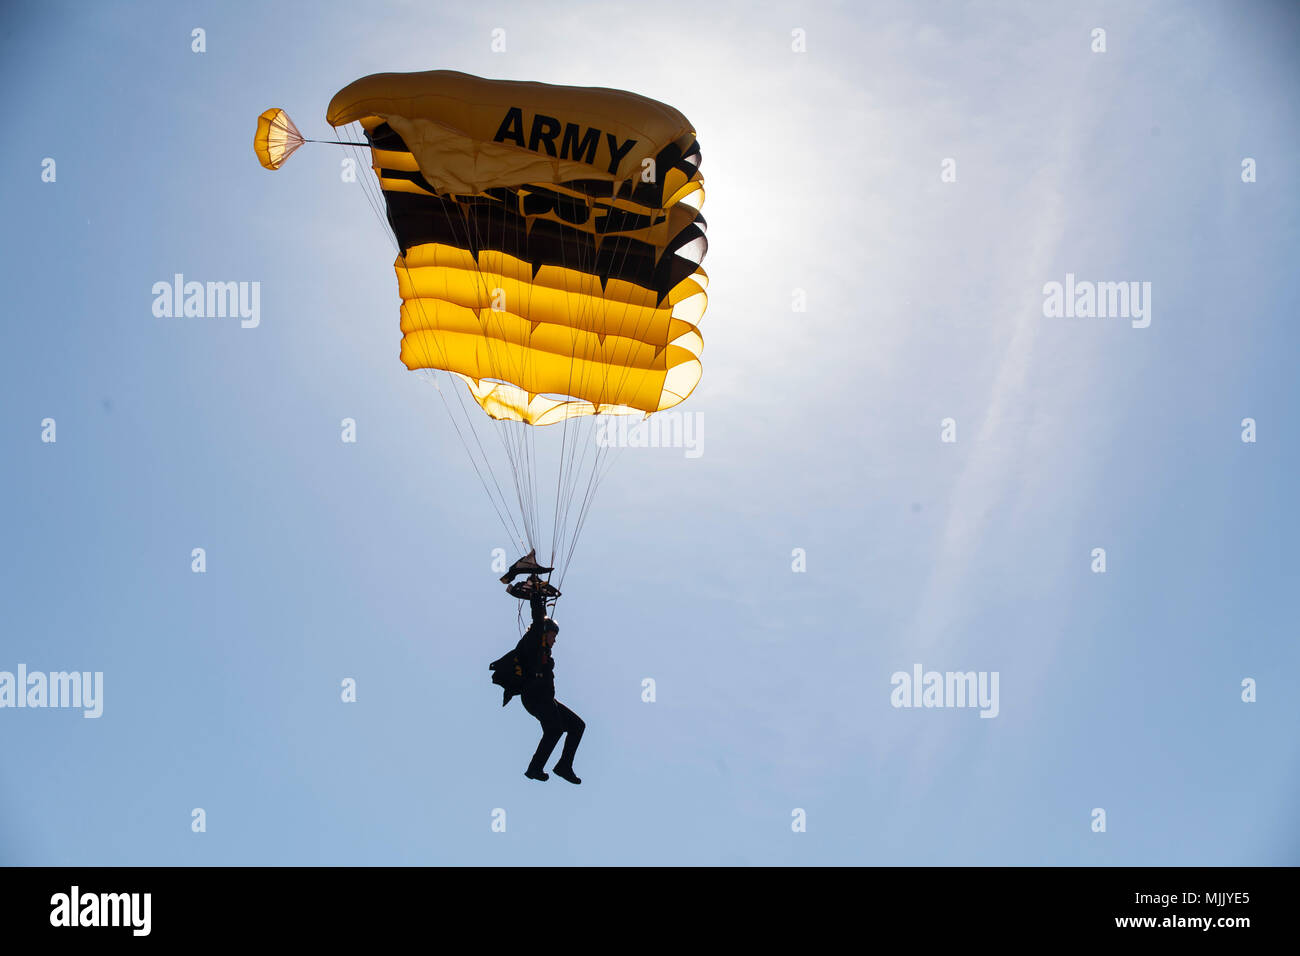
537, 774
566, 773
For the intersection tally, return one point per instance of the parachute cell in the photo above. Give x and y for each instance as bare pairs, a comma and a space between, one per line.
470, 134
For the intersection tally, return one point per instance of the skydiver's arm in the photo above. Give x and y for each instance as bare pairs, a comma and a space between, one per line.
535, 592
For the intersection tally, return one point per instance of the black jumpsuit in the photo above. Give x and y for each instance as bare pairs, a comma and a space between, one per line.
538, 695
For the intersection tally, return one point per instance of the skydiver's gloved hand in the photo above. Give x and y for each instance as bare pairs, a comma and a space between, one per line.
531, 588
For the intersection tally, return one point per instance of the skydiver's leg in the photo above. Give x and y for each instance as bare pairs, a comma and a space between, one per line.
548, 716
573, 728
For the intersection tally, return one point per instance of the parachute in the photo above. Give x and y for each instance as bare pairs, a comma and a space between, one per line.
549, 246
276, 138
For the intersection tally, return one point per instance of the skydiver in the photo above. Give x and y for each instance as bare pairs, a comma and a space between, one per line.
538, 694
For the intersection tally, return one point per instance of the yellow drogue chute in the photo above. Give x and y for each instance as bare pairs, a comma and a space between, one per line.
276, 138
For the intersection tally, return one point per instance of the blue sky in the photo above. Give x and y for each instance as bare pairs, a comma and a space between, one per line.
372, 560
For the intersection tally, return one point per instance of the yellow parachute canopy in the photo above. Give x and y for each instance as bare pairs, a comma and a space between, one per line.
550, 237
276, 138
